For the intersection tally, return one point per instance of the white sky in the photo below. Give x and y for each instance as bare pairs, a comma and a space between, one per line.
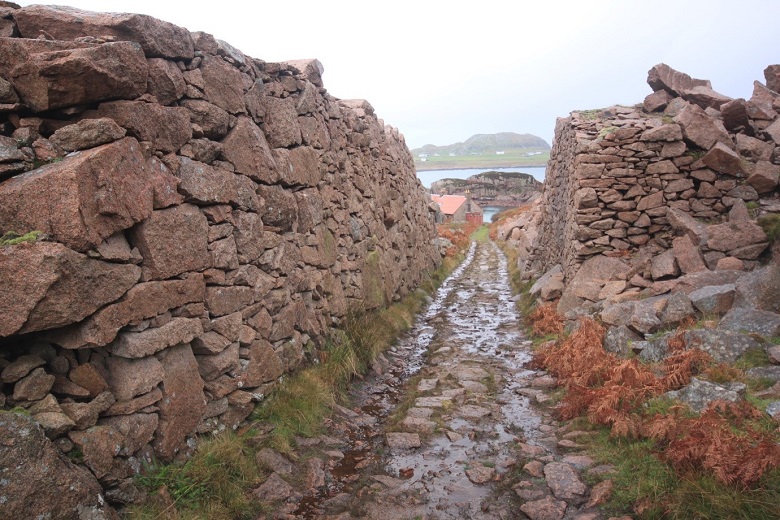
441, 71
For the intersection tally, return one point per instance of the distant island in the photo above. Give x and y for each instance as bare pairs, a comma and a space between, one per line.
505, 149
504, 189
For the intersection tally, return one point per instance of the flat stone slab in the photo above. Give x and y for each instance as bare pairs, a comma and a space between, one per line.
563, 481
545, 509
418, 425
403, 441
480, 474
426, 385
472, 411
473, 387
467, 373
423, 413
432, 402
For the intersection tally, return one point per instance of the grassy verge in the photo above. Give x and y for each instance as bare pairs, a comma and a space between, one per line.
216, 482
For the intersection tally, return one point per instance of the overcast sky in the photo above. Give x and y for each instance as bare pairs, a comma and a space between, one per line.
441, 71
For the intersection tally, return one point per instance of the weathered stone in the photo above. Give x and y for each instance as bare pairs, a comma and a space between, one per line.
41, 482
54, 424
136, 404
545, 509
656, 101
751, 321
99, 444
698, 394
273, 489
299, 166
221, 301
166, 127
152, 340
247, 149
203, 184
700, 129
85, 415
678, 309
402, 441
705, 97
213, 366
281, 209
683, 223
765, 177
156, 37
722, 345
619, 339
263, 365
664, 77
688, 255
714, 299
165, 81
651, 201
131, 377
212, 120
172, 241
20, 367
87, 376
282, 128
47, 285
664, 265
83, 199
667, 132
183, 402
87, 134
33, 386
760, 289
142, 301
735, 114
564, 482
644, 319
274, 461
136, 429
62, 78
733, 235
479, 474
224, 84
723, 159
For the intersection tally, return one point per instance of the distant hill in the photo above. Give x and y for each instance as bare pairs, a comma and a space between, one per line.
490, 143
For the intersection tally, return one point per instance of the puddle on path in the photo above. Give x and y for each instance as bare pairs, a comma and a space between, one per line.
469, 346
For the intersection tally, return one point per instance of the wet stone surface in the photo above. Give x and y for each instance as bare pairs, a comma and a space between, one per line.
449, 425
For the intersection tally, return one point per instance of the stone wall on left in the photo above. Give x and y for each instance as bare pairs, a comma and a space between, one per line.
203, 217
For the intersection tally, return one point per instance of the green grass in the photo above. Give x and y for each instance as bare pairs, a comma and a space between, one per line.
511, 158
650, 489
11, 238
753, 357
771, 226
481, 234
212, 484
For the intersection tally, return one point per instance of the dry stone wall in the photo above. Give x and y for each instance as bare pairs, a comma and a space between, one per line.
622, 178
203, 217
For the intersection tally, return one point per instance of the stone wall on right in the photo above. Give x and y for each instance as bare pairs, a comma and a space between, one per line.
686, 171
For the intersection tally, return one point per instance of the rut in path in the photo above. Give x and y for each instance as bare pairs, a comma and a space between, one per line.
444, 429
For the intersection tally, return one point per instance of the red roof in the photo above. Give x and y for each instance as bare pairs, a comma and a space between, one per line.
448, 204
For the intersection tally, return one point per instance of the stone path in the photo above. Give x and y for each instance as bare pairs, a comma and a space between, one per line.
452, 425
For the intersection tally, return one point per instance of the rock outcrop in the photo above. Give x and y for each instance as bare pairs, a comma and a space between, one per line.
205, 218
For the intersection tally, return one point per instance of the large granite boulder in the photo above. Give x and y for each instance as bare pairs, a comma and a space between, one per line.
156, 37
46, 285
77, 76
83, 199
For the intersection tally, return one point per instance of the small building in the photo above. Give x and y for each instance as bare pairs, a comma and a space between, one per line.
458, 208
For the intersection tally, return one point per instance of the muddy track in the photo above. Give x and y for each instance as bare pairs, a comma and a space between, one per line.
451, 425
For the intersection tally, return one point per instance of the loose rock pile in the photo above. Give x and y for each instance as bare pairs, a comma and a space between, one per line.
205, 217
650, 218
